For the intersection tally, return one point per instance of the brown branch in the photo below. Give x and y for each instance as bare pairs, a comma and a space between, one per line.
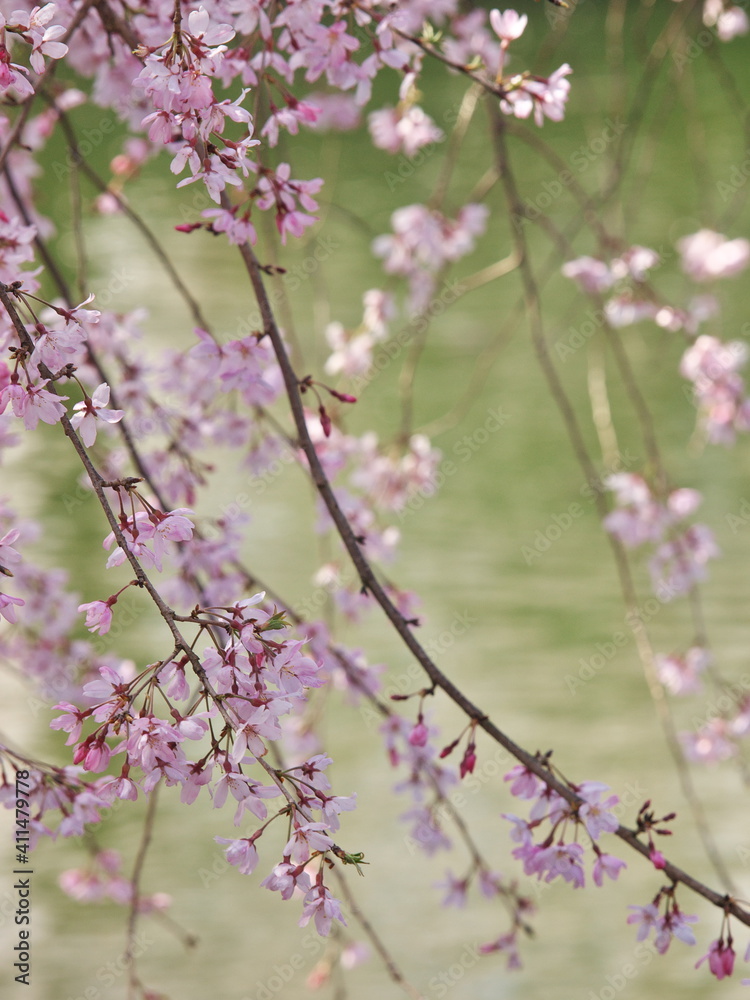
643, 644
370, 583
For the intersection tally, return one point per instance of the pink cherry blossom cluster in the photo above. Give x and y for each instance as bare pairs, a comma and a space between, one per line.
705, 256
672, 923
721, 955
708, 255
719, 738
718, 388
680, 675
103, 879
427, 781
681, 554
43, 614
35, 29
172, 72
412, 746
353, 349
147, 532
730, 20
372, 482
406, 128
259, 677
176, 79
423, 242
554, 856
208, 718
626, 275
525, 94
544, 97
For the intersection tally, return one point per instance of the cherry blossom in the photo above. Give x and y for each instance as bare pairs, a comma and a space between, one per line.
185, 81
419, 735
8, 604
242, 854
679, 564
674, 924
322, 907
98, 616
606, 864
649, 921
710, 743
679, 560
593, 276
525, 784
595, 813
33, 403
455, 890
71, 722
720, 958
405, 128
506, 944
43, 37
647, 918
89, 409
249, 736
286, 878
681, 674
306, 839
707, 255
248, 793
423, 241
32, 28
546, 98
508, 25
713, 368
730, 19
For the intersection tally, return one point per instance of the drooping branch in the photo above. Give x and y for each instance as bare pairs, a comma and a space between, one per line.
371, 584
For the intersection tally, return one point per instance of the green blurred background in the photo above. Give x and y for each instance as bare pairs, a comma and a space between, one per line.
462, 551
